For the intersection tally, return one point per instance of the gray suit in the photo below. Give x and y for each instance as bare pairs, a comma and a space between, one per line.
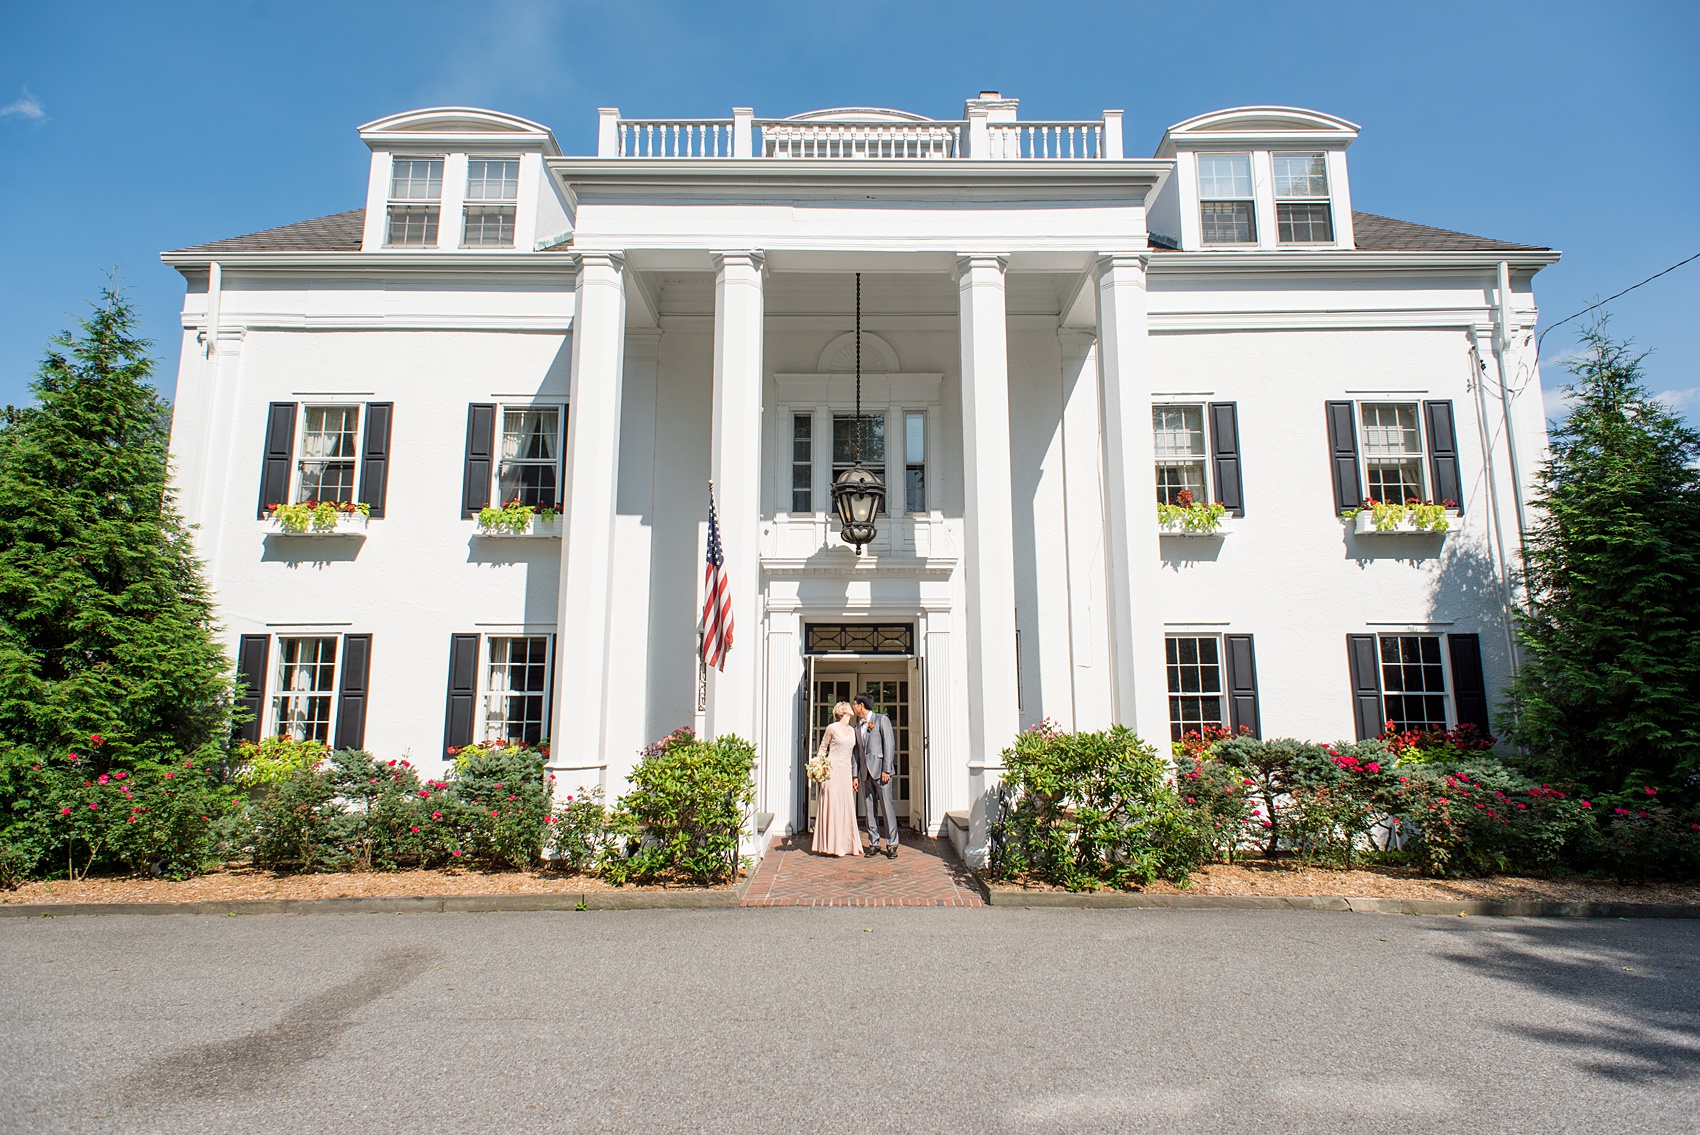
876, 753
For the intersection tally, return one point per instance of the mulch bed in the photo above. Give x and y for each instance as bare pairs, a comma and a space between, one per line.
1262, 877
240, 883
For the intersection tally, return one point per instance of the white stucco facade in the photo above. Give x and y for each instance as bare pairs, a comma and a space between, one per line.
679, 308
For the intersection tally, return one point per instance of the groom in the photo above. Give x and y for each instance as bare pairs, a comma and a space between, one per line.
876, 765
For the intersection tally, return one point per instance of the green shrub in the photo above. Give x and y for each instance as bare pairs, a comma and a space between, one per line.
1478, 817
683, 819
1088, 810
301, 826
395, 819
502, 804
1641, 838
1216, 795
275, 759
580, 833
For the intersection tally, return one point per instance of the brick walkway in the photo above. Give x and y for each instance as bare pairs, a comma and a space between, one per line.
926, 872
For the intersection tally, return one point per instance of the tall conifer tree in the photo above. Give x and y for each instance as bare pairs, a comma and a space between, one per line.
1610, 692
105, 624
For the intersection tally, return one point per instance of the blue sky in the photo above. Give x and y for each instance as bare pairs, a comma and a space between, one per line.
126, 129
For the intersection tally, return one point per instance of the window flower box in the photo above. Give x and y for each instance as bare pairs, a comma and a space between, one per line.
1374, 518
1186, 517
318, 518
519, 520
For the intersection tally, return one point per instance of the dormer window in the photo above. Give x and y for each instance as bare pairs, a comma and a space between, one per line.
492, 193
1225, 199
416, 193
1301, 199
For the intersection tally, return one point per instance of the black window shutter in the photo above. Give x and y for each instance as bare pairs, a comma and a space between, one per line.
1343, 453
251, 654
561, 474
351, 695
1469, 689
480, 457
1366, 685
280, 452
463, 691
1242, 684
1225, 455
1443, 453
375, 460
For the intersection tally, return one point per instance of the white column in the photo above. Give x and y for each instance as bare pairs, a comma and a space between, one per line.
587, 553
735, 468
1130, 499
1083, 518
993, 713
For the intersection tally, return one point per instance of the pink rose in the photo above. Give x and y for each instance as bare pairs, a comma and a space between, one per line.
416, 827
64, 811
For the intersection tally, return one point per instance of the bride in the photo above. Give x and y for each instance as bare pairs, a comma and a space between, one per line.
835, 820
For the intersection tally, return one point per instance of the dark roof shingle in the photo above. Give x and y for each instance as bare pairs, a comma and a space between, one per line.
1384, 234
339, 232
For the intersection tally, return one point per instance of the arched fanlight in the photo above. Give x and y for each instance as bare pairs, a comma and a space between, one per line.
858, 494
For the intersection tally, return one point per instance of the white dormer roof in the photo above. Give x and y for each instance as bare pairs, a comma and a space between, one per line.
1250, 125
447, 127
858, 114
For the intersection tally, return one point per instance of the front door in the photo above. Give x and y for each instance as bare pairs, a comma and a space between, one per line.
889, 684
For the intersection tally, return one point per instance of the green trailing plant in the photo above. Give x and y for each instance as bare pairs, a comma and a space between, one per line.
1091, 810
1193, 516
1611, 633
514, 517
316, 516
1425, 516
683, 818
106, 626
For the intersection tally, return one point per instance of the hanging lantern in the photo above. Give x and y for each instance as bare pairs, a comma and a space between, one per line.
858, 494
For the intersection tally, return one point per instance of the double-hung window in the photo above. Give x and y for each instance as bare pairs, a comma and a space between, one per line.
1413, 681
856, 439
329, 445
531, 456
1226, 209
914, 461
492, 191
802, 463
1178, 434
416, 194
1301, 199
306, 685
1393, 452
1195, 683
516, 689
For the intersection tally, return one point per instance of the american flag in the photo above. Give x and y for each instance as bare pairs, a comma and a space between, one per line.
717, 601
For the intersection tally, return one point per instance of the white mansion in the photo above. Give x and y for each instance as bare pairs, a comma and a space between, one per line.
1055, 337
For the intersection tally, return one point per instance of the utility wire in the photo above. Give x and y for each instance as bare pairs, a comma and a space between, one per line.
1608, 299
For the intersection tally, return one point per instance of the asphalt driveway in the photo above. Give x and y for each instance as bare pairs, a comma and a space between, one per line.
900, 1020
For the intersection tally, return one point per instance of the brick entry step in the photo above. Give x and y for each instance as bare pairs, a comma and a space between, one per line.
926, 872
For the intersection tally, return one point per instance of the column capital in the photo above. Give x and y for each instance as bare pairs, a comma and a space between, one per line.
967, 262
1076, 342
1123, 261
592, 260
753, 258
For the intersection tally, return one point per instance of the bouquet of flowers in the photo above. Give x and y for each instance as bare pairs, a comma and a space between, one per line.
820, 769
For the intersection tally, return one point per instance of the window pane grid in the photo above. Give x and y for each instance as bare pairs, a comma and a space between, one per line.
413, 226
488, 226
915, 462
492, 179
802, 462
1303, 224
306, 682
847, 432
327, 454
1413, 681
1301, 175
530, 457
1178, 439
1195, 684
1224, 176
1227, 222
517, 691
1393, 447
416, 179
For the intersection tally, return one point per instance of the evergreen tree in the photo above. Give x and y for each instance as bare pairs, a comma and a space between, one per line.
105, 624
1610, 692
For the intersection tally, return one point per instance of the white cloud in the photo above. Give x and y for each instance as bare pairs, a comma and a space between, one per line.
25, 106
1684, 401
1556, 402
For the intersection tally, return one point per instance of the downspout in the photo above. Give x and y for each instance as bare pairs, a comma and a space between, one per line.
1501, 344
1486, 436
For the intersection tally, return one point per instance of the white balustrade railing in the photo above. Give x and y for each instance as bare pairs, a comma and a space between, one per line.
675, 138
785, 138
744, 136
1055, 141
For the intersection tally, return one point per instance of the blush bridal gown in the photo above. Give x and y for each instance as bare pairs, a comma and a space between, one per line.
835, 818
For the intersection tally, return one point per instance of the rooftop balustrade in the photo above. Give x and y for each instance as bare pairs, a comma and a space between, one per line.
850, 138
